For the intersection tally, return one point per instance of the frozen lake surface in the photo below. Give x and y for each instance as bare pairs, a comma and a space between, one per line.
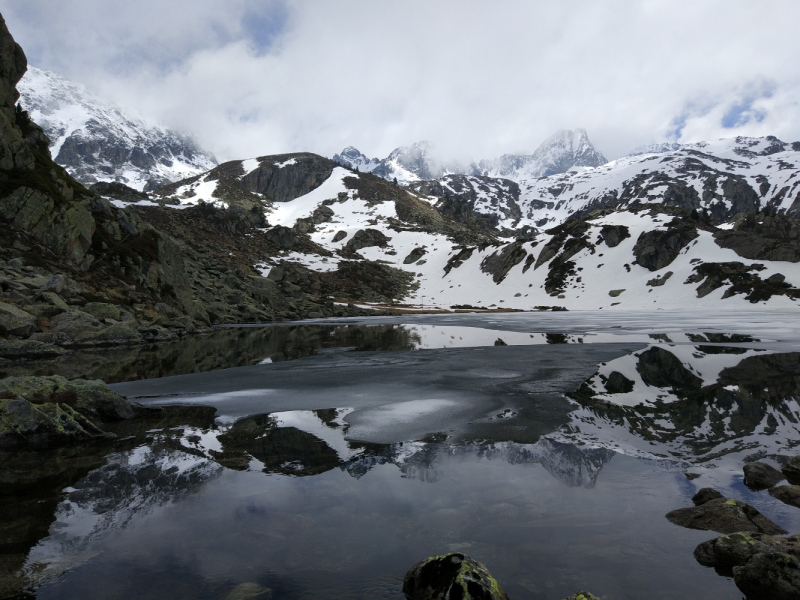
548, 446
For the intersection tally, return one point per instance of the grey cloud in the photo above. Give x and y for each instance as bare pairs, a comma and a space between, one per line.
478, 78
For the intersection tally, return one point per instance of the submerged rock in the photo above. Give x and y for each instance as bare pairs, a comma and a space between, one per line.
760, 476
725, 516
451, 577
249, 591
788, 494
582, 596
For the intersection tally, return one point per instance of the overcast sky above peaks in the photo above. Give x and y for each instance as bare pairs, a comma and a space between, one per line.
479, 79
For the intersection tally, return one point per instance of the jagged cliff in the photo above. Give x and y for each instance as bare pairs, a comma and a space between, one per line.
76, 270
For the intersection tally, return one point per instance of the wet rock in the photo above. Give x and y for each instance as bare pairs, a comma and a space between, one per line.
738, 548
451, 577
769, 576
792, 470
704, 495
582, 596
31, 349
725, 516
15, 321
249, 591
760, 476
788, 494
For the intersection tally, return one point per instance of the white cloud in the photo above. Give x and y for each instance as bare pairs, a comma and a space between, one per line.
478, 78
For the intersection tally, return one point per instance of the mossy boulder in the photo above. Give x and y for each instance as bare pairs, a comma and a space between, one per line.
23, 423
93, 399
451, 577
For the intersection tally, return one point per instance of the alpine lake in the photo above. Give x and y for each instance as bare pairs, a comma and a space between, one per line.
322, 459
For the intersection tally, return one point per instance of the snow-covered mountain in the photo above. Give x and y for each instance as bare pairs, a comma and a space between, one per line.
96, 141
682, 228
561, 152
655, 148
720, 178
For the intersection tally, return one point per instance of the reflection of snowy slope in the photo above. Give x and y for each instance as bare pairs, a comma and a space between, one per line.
132, 484
697, 405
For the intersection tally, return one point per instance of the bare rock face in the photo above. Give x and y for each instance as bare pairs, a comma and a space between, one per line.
451, 577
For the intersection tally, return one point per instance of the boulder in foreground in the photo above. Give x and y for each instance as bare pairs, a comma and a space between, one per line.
451, 577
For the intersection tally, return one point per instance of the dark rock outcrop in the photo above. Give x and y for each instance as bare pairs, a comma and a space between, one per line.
451, 577
656, 249
769, 576
763, 236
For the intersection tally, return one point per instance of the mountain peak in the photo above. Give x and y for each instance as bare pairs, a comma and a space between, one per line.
97, 141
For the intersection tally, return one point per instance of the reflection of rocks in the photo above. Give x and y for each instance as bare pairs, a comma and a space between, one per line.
573, 465
660, 395
788, 494
249, 591
725, 516
196, 354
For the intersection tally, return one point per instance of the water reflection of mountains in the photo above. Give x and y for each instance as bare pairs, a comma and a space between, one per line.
224, 348
697, 402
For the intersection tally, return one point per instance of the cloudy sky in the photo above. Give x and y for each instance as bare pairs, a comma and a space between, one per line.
252, 77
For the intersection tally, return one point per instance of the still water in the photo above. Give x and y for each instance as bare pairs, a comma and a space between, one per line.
547, 447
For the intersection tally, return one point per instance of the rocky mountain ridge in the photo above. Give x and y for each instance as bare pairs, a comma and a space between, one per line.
97, 141
561, 152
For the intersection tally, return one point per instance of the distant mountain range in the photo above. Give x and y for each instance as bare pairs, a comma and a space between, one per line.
559, 153
97, 141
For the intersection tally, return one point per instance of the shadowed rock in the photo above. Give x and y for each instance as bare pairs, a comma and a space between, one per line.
705, 495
